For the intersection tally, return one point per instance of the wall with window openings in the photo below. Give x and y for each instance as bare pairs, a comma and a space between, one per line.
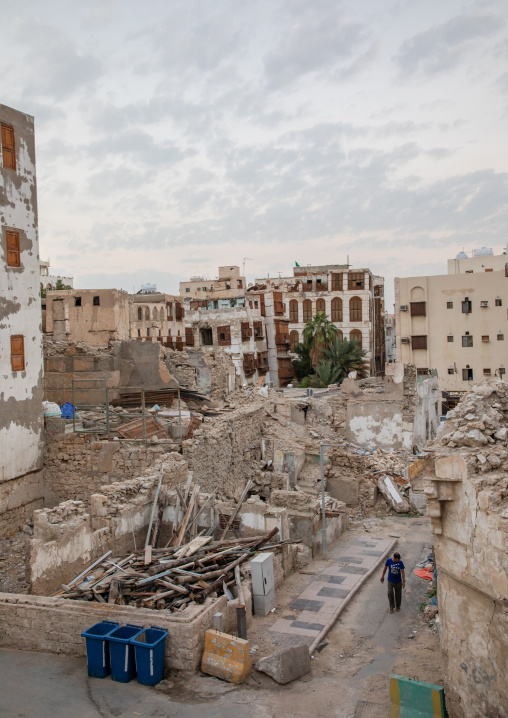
21, 422
158, 317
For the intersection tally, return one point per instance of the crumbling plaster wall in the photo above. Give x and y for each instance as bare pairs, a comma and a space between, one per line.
466, 483
77, 465
21, 423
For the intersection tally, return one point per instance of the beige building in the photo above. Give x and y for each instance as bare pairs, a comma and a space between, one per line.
481, 260
228, 285
353, 299
158, 317
93, 316
456, 324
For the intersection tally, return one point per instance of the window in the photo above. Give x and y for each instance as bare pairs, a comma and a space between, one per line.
422, 371
484, 304
169, 307
487, 372
258, 330
246, 331
139, 332
449, 305
203, 288
293, 311
337, 309
228, 286
356, 336
13, 252
256, 305
155, 314
485, 338
467, 374
224, 335
418, 309
96, 301
206, 337
239, 284
187, 289
356, 280
337, 282
355, 309
489, 270
320, 306
77, 301
502, 371
278, 304
467, 306
140, 314
8, 148
148, 331
307, 310
293, 339
451, 370
189, 336
18, 352
469, 271
467, 340
499, 302
450, 339
500, 337
419, 342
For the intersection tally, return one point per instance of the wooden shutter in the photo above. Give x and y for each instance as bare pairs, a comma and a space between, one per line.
8, 147
418, 309
18, 352
13, 253
419, 342
337, 282
224, 336
189, 336
278, 304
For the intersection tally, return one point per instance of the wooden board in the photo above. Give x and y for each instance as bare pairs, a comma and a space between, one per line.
193, 546
134, 429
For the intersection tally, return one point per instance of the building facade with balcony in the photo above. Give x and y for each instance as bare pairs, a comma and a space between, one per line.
455, 323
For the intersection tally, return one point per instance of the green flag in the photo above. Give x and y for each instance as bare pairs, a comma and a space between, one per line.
296, 264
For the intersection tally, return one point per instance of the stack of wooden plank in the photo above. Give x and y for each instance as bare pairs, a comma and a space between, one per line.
173, 578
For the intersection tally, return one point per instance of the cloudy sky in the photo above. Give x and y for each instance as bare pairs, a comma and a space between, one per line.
177, 135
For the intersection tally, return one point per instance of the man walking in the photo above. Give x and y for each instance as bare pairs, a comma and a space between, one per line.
396, 580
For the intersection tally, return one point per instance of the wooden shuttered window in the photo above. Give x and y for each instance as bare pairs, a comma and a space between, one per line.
189, 337
293, 311
262, 305
8, 147
246, 331
355, 309
262, 361
13, 251
356, 280
337, 282
320, 306
307, 310
418, 309
356, 336
249, 364
336, 309
278, 304
419, 342
178, 311
258, 330
224, 336
18, 352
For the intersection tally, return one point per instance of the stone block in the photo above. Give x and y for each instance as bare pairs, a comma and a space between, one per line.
226, 657
286, 665
434, 509
451, 468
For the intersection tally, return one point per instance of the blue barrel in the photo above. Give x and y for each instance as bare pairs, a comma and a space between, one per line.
123, 666
149, 647
97, 648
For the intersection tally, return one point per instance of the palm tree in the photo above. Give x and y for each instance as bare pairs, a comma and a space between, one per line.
319, 332
326, 373
302, 365
347, 356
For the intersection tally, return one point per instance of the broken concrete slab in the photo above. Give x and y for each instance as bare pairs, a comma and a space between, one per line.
390, 491
286, 665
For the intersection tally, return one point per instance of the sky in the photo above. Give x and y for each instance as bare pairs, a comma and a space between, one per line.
176, 136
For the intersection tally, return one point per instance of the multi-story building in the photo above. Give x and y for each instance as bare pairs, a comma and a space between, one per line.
228, 285
21, 367
390, 338
158, 317
351, 298
455, 323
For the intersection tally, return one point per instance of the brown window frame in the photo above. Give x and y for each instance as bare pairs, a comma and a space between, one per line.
258, 330
226, 331
337, 282
355, 312
449, 305
356, 280
419, 341
307, 310
17, 352
293, 311
418, 309
337, 309
467, 341
8, 150
320, 303
13, 248
465, 374
357, 336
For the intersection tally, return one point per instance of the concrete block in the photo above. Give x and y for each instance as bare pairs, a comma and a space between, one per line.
286, 665
451, 468
343, 489
226, 657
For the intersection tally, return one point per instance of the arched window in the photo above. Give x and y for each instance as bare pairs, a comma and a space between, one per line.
307, 310
294, 339
356, 335
140, 314
147, 314
155, 314
320, 305
336, 309
340, 333
355, 309
293, 311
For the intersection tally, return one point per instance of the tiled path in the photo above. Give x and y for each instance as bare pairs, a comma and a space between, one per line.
331, 588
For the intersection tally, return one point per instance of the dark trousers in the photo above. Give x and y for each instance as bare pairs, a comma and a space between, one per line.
394, 594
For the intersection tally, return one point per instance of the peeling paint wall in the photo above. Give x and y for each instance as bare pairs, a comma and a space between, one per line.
21, 422
378, 425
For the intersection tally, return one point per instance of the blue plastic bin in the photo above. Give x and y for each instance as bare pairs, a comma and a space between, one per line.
97, 648
67, 410
123, 665
149, 647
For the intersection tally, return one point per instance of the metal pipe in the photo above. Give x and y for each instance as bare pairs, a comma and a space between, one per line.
323, 501
143, 407
241, 622
180, 416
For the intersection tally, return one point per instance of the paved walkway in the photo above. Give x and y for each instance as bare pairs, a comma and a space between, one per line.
312, 610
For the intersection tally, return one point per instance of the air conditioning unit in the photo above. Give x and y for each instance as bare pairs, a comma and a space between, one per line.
405, 340
403, 307
484, 304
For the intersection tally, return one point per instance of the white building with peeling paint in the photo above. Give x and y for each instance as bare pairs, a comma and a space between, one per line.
21, 366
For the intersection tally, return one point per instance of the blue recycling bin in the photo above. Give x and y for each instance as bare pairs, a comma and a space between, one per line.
97, 648
149, 648
123, 665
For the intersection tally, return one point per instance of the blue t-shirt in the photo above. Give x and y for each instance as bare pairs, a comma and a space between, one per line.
394, 570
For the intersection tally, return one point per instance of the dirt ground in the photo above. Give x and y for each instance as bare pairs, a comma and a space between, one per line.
13, 563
